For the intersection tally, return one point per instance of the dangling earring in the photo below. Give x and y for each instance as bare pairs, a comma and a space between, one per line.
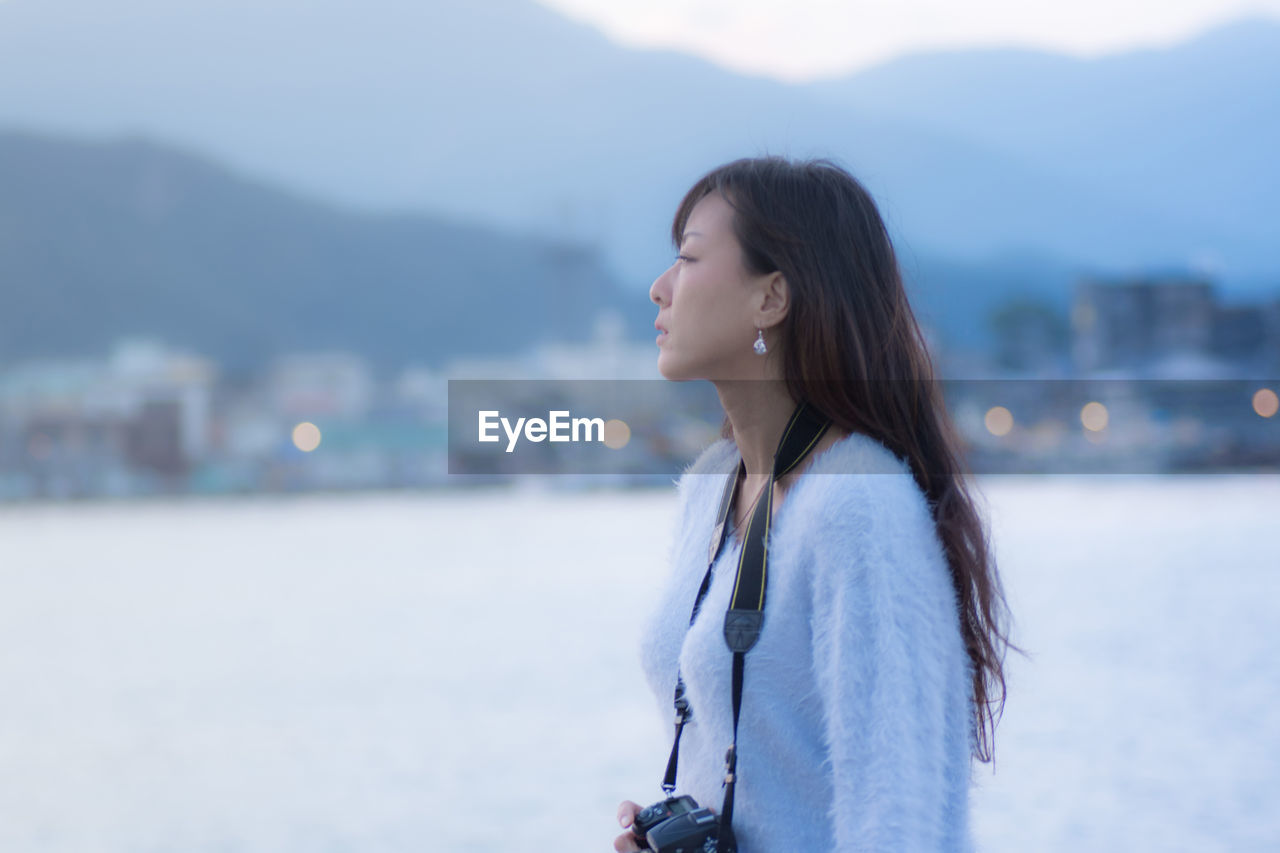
759, 344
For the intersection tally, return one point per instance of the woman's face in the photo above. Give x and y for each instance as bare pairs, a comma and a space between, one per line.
705, 301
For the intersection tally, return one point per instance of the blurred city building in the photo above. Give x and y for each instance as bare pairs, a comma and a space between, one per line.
138, 419
1172, 327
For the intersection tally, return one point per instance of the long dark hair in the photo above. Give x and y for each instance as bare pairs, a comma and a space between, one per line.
851, 347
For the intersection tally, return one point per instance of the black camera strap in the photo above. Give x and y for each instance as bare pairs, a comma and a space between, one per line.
745, 616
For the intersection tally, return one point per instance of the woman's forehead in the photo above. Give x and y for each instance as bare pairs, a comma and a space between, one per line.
710, 216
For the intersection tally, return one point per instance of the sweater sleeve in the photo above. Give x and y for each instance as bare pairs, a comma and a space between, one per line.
880, 656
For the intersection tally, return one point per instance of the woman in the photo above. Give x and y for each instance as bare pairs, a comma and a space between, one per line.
866, 694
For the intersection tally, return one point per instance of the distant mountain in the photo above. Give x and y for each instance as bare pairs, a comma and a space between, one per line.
98, 241
504, 112
1193, 129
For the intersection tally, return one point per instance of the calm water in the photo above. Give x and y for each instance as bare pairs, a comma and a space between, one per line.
459, 673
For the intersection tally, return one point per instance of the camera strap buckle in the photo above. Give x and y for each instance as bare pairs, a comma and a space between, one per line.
682, 705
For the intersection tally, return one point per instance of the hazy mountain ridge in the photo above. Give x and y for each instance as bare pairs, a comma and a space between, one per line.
506, 112
99, 240
1191, 128
103, 240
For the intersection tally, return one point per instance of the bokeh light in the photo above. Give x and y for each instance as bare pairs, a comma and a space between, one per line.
617, 434
306, 436
1265, 402
1094, 416
998, 420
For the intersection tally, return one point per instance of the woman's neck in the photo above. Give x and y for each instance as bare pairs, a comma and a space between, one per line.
758, 410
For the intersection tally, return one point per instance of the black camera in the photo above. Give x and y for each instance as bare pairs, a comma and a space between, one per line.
676, 825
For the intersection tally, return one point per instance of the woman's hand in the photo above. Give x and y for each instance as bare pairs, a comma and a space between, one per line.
627, 841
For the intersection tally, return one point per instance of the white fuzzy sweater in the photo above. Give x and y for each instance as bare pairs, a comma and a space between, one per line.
855, 728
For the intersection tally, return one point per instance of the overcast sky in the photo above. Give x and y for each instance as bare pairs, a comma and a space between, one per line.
805, 39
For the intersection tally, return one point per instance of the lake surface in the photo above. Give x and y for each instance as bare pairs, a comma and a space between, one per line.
459, 672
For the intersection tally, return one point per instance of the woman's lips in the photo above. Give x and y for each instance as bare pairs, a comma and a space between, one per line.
662, 336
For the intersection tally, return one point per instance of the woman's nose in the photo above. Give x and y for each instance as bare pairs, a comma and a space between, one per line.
657, 290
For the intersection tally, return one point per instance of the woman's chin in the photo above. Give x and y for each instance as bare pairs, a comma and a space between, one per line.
669, 368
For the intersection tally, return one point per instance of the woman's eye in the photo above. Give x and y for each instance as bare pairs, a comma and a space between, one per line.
683, 258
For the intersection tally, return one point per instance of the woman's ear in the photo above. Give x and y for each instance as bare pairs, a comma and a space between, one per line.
774, 300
